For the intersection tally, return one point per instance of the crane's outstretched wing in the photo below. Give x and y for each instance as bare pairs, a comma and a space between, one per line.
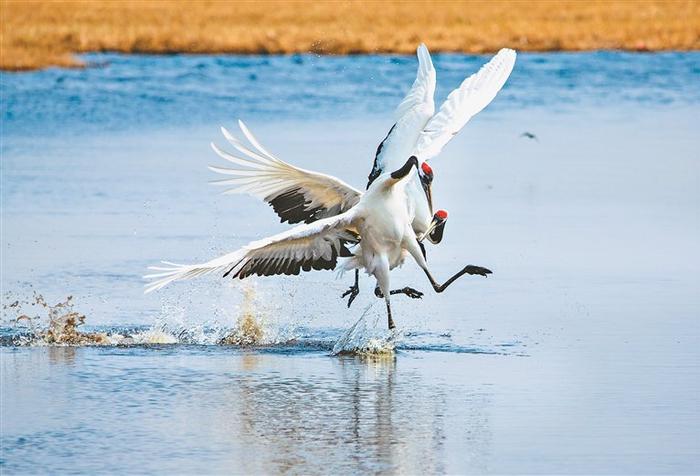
423, 88
295, 194
410, 118
303, 248
473, 95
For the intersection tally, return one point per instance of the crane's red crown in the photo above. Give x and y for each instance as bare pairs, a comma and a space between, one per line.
426, 168
441, 214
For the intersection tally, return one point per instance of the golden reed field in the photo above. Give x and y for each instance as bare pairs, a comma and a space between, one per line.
37, 34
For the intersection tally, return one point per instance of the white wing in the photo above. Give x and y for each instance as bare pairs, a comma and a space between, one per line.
410, 118
295, 194
423, 88
304, 247
473, 95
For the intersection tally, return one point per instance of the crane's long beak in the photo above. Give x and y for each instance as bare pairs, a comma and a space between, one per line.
429, 195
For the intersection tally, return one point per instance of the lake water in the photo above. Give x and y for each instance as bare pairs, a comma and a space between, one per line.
580, 354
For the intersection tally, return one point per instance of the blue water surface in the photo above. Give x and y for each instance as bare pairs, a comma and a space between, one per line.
124, 92
579, 354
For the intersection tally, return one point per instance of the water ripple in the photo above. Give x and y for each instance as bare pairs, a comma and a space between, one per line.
130, 91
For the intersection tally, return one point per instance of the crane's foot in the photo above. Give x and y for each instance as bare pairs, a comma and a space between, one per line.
352, 291
410, 292
471, 269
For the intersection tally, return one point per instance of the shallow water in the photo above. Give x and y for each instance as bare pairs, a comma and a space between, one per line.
578, 355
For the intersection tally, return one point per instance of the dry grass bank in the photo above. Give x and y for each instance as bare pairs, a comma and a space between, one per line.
37, 34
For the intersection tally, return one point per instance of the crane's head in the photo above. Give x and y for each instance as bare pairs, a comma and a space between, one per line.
437, 227
426, 172
426, 181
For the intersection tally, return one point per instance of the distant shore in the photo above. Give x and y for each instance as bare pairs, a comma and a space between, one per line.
39, 34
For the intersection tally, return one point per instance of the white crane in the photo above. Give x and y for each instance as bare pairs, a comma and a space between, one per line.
379, 225
298, 195
384, 224
421, 132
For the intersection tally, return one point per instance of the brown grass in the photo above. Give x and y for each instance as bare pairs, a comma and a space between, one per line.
37, 34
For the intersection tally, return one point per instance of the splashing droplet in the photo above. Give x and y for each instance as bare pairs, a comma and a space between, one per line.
360, 340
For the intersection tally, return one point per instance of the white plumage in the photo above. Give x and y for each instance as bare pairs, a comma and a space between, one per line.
422, 90
418, 130
473, 95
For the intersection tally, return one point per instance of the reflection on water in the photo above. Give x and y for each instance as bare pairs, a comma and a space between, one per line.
369, 416
61, 355
252, 413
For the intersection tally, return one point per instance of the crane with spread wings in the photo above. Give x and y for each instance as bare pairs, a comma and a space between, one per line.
376, 229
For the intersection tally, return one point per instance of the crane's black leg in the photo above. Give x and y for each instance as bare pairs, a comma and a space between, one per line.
354, 290
410, 292
388, 312
469, 269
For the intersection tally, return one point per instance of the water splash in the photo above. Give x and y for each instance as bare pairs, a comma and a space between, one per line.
360, 339
253, 323
35, 322
250, 327
51, 324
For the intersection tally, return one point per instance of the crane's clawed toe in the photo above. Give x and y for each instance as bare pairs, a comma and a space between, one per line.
412, 293
352, 291
471, 269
